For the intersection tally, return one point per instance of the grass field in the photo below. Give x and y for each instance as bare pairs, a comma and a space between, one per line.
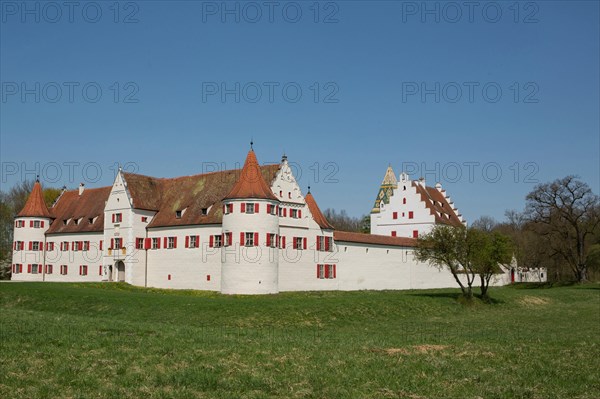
117, 341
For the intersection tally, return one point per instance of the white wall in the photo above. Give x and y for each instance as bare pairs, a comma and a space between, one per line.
28, 234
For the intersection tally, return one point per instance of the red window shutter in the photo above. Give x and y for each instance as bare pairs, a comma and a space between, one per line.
243, 207
268, 238
211, 240
410, 214
326, 271
112, 243
393, 234
14, 245
256, 208
22, 245
318, 243
168, 277
299, 213
242, 241
327, 243
158, 242
284, 212
40, 246
31, 223
30, 245
304, 243
283, 241
187, 241
269, 208
165, 242
255, 239
404, 200
208, 277
147, 243
42, 224
415, 233
100, 270
101, 241
230, 208
197, 241
395, 215
174, 242
318, 271
294, 243
334, 267
80, 273
29, 268
80, 245
113, 217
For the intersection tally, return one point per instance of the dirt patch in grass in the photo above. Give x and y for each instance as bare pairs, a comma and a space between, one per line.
411, 350
531, 301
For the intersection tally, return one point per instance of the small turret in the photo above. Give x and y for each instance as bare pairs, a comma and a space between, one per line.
386, 190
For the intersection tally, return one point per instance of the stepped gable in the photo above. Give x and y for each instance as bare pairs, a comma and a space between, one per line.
78, 210
437, 204
199, 197
35, 205
363, 238
316, 212
251, 183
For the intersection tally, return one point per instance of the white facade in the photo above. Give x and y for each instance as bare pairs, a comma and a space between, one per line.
280, 246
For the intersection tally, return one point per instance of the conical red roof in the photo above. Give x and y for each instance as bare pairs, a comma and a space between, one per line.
35, 205
316, 212
251, 183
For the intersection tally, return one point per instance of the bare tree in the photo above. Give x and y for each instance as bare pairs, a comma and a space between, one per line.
567, 214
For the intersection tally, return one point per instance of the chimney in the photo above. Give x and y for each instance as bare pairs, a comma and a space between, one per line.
438, 186
81, 188
422, 181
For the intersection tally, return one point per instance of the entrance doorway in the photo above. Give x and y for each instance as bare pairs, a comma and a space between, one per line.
120, 271
110, 273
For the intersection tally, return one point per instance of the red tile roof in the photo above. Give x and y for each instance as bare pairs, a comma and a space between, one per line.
362, 238
194, 194
437, 204
251, 183
316, 212
77, 210
35, 205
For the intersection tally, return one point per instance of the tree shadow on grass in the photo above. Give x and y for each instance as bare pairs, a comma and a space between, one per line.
459, 298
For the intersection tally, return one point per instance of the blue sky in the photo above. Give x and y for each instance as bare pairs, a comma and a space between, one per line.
487, 101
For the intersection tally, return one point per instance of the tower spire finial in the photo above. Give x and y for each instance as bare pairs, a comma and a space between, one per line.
37, 178
252, 144
308, 190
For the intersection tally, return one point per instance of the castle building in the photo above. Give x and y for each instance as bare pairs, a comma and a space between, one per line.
245, 231
408, 208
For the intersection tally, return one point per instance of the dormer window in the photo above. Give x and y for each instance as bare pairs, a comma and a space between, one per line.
76, 221
204, 211
91, 220
178, 214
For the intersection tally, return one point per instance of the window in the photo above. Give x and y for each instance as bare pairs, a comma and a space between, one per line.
20, 223
271, 209
299, 243
36, 224
48, 269
250, 207
35, 246
411, 214
171, 242
83, 270
289, 194
271, 240
117, 217
228, 238
64, 246
144, 219
394, 234
17, 268
326, 271
65, 221
76, 221
139, 243
49, 246
281, 241
324, 243
204, 211
216, 241
64, 269
36, 269
18, 245
118, 243
227, 209
74, 246
192, 241
415, 233
100, 270
178, 214
86, 245
404, 200
395, 215
249, 239
295, 213
155, 243
280, 193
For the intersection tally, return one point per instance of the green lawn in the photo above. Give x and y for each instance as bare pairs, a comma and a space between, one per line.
117, 341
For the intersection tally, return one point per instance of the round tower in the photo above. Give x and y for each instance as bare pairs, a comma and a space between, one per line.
29, 238
249, 257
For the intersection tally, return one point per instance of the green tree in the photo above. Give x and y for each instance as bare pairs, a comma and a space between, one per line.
491, 250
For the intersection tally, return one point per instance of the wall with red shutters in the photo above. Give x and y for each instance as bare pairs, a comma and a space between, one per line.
28, 234
187, 266
93, 257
